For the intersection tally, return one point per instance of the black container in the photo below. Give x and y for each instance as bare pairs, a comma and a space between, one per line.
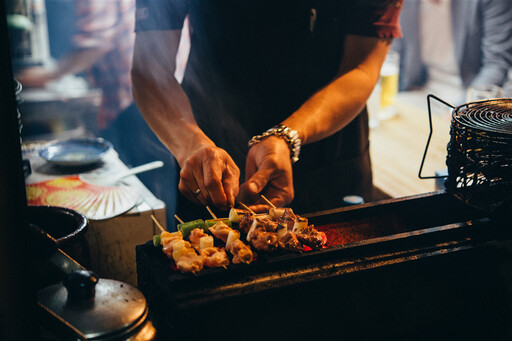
423, 267
66, 226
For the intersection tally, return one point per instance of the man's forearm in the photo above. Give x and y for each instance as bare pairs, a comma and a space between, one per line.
159, 96
168, 112
337, 104
80, 60
333, 107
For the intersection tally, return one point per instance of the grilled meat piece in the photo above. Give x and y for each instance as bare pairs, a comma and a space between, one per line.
266, 224
215, 257
263, 240
290, 242
195, 237
310, 237
241, 252
190, 262
220, 231
288, 219
174, 244
246, 222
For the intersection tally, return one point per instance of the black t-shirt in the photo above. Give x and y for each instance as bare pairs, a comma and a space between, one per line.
253, 63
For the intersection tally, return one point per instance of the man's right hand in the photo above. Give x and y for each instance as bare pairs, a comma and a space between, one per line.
209, 176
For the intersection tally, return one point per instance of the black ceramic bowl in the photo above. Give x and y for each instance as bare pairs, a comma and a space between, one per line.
66, 226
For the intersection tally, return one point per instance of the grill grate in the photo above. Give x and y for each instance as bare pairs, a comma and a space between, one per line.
479, 155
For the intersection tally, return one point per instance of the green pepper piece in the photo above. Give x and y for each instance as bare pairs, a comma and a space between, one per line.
156, 240
187, 227
211, 222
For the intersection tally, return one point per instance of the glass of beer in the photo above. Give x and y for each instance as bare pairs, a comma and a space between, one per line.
480, 92
389, 85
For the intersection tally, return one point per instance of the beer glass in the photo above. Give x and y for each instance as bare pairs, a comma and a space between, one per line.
479, 92
389, 85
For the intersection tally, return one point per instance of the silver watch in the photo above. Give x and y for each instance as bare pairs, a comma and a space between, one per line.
288, 134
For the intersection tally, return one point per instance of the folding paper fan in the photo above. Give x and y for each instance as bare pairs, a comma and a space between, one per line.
95, 202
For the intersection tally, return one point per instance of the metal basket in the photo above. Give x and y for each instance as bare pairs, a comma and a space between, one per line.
479, 154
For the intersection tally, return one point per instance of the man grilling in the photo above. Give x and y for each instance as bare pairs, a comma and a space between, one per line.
289, 79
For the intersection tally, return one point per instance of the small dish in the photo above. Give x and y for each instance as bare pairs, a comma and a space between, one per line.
75, 152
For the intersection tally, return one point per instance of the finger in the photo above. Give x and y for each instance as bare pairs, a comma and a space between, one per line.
259, 180
246, 197
230, 183
200, 191
188, 185
212, 172
260, 208
187, 192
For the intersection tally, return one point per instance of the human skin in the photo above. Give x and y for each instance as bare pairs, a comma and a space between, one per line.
210, 169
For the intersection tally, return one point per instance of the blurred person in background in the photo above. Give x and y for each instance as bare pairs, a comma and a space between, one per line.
99, 45
451, 45
254, 66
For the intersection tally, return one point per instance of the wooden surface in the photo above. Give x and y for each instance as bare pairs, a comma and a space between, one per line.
397, 146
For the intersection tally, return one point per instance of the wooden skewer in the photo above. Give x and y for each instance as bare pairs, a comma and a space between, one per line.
225, 267
158, 224
268, 201
212, 214
178, 218
247, 208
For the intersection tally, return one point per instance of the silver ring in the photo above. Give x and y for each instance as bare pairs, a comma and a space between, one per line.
197, 191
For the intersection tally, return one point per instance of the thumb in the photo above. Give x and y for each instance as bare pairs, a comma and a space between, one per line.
258, 181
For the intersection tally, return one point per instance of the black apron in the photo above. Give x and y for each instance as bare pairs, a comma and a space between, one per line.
252, 64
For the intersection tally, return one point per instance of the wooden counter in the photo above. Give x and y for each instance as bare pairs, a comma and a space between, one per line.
397, 146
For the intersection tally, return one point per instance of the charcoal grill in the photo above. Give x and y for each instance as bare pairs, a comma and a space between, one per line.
426, 267
421, 267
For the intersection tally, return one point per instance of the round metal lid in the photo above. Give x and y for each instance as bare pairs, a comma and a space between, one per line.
114, 308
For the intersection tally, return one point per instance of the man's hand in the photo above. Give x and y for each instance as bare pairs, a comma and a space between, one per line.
269, 173
36, 76
210, 176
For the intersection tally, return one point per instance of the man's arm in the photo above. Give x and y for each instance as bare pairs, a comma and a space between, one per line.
96, 28
73, 63
326, 112
337, 104
167, 109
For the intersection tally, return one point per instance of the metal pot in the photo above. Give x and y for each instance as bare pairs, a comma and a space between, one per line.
89, 308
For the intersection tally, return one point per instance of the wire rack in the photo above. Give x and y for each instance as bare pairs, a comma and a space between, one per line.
479, 155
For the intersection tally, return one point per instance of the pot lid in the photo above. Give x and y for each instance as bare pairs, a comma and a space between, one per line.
94, 308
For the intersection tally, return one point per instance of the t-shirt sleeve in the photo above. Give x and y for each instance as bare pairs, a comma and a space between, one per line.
375, 18
160, 14
96, 23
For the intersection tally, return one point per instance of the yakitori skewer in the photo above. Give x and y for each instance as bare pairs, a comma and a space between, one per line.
178, 219
268, 201
211, 212
247, 208
157, 223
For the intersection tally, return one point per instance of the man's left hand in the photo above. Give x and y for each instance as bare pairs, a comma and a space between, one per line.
269, 173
